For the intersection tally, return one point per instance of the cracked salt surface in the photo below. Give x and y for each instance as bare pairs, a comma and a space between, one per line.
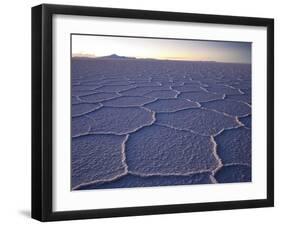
114, 88
163, 94
98, 97
171, 105
247, 121
84, 87
130, 180
75, 100
80, 125
92, 160
128, 101
119, 120
229, 107
200, 96
161, 150
241, 98
233, 146
232, 173
83, 108
222, 89
139, 123
187, 88
79, 93
201, 121
141, 91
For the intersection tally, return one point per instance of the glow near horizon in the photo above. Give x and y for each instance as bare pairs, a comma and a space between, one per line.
220, 51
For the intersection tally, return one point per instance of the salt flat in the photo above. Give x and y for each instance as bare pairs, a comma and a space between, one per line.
138, 123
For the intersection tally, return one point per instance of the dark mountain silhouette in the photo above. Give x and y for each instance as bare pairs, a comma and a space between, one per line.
115, 56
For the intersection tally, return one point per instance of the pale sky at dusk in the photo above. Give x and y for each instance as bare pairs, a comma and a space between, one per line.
234, 52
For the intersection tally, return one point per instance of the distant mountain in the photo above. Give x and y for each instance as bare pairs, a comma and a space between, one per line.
117, 57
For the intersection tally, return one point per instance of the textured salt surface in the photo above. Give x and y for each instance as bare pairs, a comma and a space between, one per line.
129, 180
75, 100
201, 96
247, 121
160, 150
92, 160
241, 97
114, 88
247, 91
79, 93
201, 121
230, 107
233, 173
117, 120
80, 125
83, 108
233, 146
187, 88
98, 97
128, 101
171, 105
140, 91
163, 94
116, 83
222, 89
146, 84
139, 123
85, 88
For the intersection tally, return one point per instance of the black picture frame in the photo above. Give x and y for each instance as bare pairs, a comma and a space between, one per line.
42, 106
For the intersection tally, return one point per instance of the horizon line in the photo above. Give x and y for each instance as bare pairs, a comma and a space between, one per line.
121, 57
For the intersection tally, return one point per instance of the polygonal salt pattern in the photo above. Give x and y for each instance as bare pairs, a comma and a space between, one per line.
139, 123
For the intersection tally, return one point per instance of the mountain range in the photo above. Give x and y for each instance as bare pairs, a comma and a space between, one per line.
115, 56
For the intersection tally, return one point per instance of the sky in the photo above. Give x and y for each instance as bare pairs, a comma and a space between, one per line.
171, 49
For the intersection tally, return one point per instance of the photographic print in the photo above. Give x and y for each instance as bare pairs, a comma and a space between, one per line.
138, 112
159, 112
